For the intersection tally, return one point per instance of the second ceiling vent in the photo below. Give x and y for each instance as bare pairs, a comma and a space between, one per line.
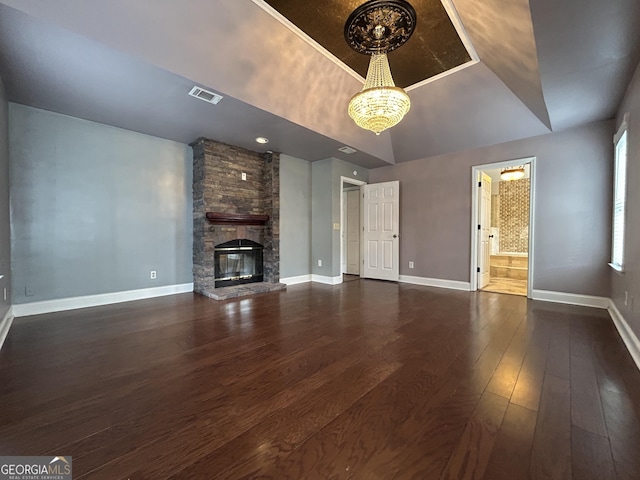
205, 95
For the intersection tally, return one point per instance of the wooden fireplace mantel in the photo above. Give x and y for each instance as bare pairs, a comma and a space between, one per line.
219, 218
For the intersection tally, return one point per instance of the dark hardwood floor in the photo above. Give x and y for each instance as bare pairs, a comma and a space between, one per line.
365, 380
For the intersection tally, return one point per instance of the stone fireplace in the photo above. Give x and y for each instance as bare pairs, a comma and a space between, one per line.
236, 198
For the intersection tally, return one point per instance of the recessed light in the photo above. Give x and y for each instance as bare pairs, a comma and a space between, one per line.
262, 140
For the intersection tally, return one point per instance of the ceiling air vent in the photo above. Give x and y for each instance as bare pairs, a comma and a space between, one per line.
347, 150
205, 95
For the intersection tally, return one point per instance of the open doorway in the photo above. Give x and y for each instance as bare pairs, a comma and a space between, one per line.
350, 229
502, 227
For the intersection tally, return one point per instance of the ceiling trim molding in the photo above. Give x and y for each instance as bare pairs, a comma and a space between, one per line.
449, 8
464, 38
462, 32
291, 26
451, 71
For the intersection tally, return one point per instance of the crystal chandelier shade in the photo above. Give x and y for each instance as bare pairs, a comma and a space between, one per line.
380, 104
375, 28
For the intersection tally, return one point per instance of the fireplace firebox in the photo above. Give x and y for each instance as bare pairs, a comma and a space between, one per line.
238, 262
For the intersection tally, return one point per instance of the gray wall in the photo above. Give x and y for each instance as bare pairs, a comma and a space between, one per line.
321, 214
630, 280
5, 231
572, 211
295, 217
95, 208
325, 211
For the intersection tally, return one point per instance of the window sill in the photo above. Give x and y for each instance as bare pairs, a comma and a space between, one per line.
617, 268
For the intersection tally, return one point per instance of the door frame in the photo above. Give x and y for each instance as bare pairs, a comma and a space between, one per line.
355, 183
475, 213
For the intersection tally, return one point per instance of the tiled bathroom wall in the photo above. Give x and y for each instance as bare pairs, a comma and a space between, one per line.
513, 217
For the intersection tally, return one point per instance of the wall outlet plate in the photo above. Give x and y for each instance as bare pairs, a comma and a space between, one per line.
410, 264
244, 176
319, 262
153, 275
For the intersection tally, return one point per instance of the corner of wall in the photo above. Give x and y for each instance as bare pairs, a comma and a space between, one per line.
627, 334
5, 217
5, 325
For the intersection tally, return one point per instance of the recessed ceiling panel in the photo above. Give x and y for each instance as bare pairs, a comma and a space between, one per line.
434, 47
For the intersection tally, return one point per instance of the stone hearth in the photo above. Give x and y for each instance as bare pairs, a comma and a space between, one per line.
225, 293
218, 186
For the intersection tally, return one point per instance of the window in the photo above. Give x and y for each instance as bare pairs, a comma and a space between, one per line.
619, 195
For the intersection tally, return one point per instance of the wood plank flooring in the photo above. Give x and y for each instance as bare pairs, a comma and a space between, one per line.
364, 380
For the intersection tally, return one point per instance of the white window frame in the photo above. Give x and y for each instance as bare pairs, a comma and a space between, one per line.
618, 217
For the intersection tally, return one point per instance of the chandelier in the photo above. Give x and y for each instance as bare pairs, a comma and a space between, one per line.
376, 28
512, 173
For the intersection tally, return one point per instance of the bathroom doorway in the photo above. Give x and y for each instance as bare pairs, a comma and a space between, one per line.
502, 227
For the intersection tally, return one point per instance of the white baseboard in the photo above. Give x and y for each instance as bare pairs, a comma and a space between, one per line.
311, 278
296, 280
5, 325
629, 338
326, 280
570, 298
62, 304
436, 282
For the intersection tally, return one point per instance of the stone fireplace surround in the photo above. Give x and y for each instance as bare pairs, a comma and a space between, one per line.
218, 187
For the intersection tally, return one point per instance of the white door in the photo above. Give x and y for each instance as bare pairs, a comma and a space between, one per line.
381, 211
484, 216
353, 232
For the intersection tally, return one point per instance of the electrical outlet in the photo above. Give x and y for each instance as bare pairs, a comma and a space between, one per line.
336, 226
626, 298
319, 262
5, 293
410, 264
153, 275
244, 176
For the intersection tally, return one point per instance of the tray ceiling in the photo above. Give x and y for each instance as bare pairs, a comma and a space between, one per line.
434, 48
